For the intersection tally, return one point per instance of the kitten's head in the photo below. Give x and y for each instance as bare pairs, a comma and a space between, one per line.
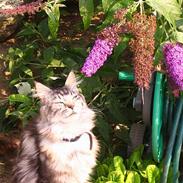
64, 105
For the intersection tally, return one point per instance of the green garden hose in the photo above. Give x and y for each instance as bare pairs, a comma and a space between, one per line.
157, 117
168, 157
126, 76
177, 150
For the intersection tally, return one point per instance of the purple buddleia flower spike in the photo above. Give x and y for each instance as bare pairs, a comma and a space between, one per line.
101, 50
97, 56
173, 53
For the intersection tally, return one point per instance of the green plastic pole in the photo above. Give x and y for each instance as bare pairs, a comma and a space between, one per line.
126, 76
170, 115
157, 117
177, 150
168, 157
165, 114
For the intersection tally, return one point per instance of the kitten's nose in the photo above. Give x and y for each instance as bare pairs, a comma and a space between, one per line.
70, 105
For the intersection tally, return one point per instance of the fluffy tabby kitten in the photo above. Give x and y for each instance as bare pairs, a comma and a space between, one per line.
58, 146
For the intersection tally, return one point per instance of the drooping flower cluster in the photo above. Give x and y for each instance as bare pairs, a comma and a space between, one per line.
173, 53
120, 14
143, 28
30, 8
102, 48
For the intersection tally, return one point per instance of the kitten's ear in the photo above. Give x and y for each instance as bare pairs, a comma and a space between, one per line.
41, 91
71, 81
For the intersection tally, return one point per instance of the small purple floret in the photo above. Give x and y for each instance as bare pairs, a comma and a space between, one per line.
173, 54
97, 56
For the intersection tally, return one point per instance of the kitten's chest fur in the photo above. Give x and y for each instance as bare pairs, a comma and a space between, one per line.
69, 160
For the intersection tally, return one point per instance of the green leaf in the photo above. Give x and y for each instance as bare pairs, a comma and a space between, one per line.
90, 85
101, 179
112, 8
11, 65
48, 54
106, 4
43, 28
153, 173
116, 176
28, 30
179, 36
180, 2
69, 62
56, 63
19, 52
113, 105
86, 8
118, 164
102, 170
170, 9
53, 13
26, 70
133, 177
19, 98
18, 114
135, 157
119, 49
103, 128
179, 24
47, 73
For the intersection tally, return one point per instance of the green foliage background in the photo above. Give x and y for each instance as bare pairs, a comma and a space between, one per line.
41, 54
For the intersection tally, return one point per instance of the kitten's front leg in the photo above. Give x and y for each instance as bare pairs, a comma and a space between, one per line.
26, 167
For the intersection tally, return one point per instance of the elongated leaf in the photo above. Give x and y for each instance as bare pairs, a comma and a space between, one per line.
53, 19
28, 30
26, 70
86, 9
106, 4
19, 98
170, 9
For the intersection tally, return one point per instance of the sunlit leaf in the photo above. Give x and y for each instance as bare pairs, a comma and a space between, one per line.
19, 98
153, 173
26, 70
86, 8
170, 9
106, 4
179, 36
53, 13
133, 177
